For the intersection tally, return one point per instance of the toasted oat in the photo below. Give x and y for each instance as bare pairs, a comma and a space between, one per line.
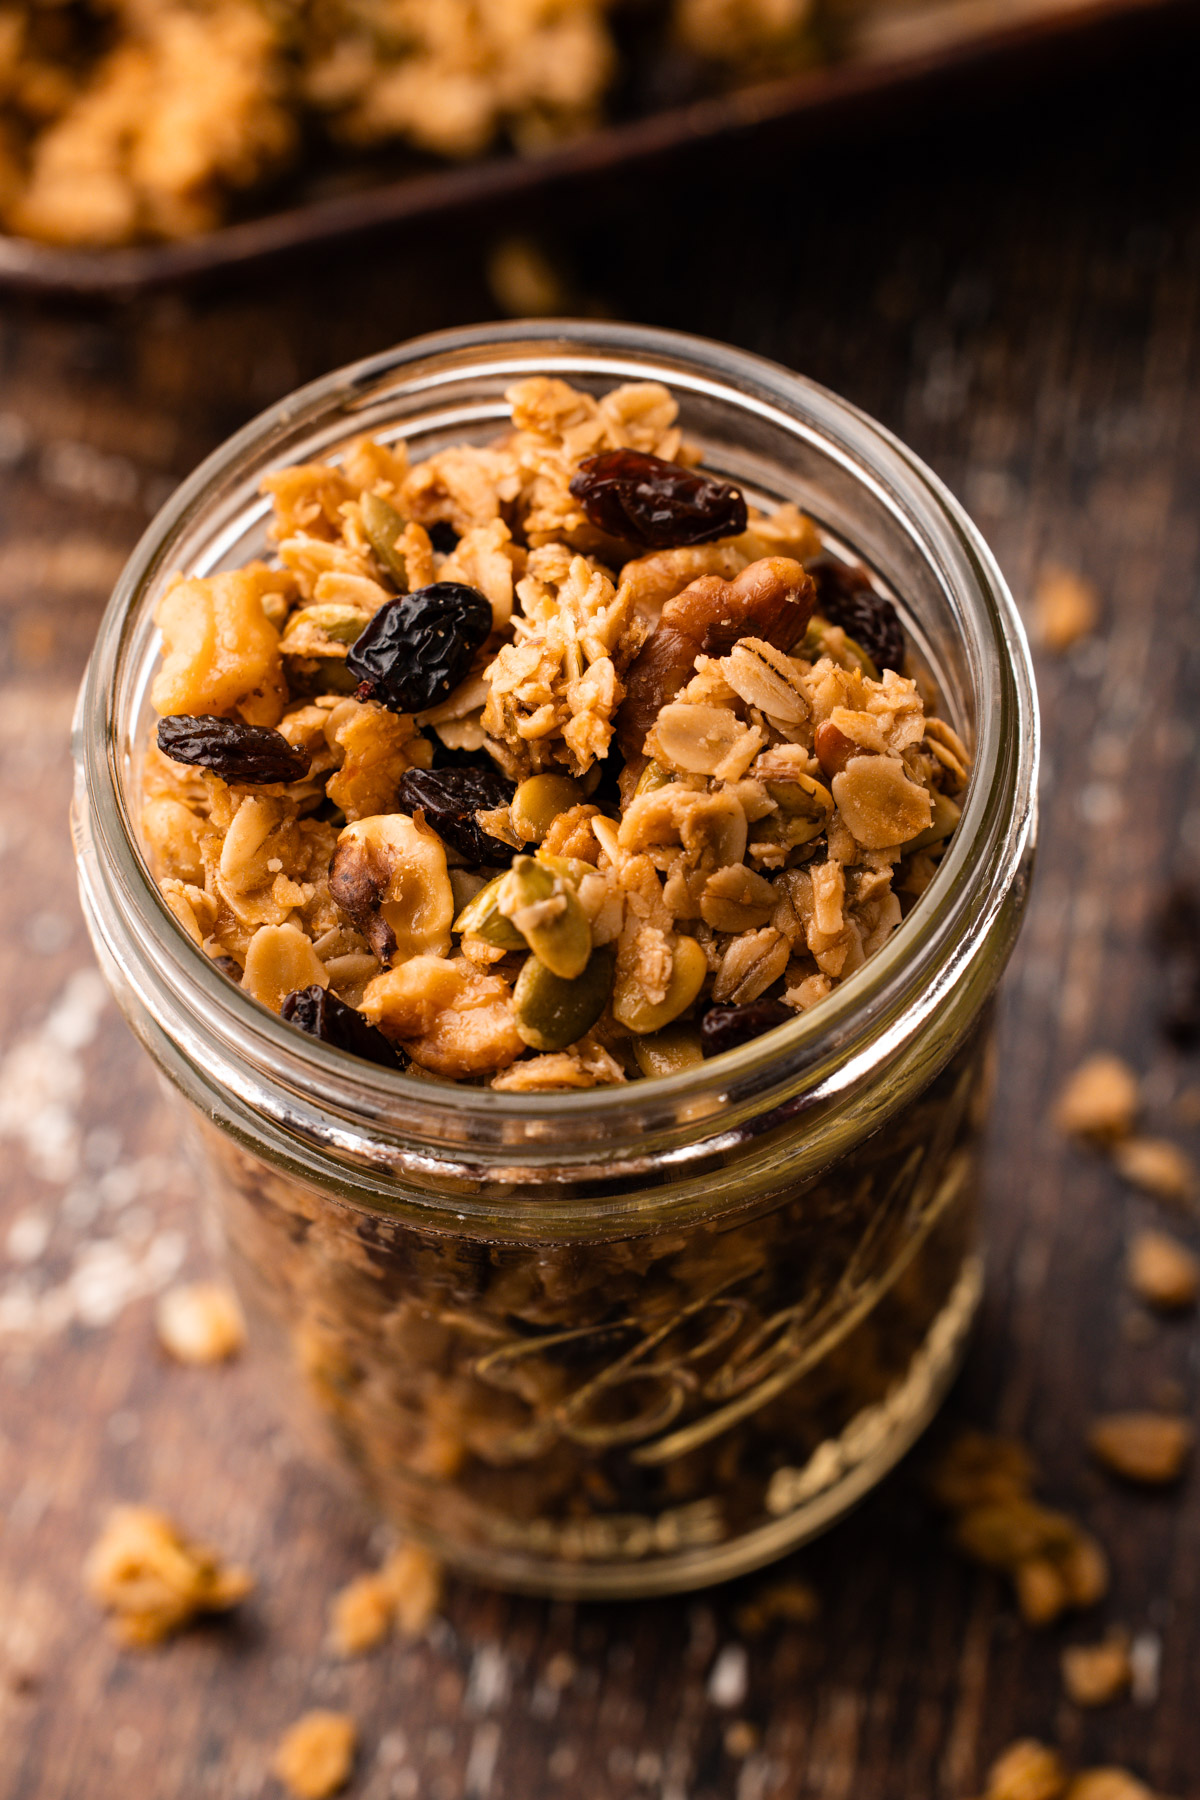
153, 1580
316, 1755
1100, 1100
1027, 1770
200, 1322
1151, 1448
1094, 1674
1066, 608
1163, 1272
1158, 1167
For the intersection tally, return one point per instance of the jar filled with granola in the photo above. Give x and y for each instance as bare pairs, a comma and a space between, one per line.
556, 803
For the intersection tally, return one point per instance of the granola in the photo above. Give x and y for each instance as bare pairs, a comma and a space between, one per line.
315, 1757
1149, 1448
523, 795
200, 1322
153, 1580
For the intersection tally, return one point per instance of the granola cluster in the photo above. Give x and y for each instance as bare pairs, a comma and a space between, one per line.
466, 780
106, 135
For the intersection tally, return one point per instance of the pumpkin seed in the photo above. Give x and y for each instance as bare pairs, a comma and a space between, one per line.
805, 807
553, 1012
384, 526
652, 777
482, 918
543, 906
667, 1052
314, 647
631, 1007
537, 803
945, 817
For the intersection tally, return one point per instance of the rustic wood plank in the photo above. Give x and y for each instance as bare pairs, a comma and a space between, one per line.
1016, 293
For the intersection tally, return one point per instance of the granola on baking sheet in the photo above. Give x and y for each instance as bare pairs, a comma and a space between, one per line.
545, 763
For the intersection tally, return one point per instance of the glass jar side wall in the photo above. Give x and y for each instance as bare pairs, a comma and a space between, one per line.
637, 1415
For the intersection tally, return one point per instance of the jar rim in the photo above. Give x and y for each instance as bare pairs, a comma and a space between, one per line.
351, 1106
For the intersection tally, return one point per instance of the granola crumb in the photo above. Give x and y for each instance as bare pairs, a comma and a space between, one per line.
1095, 1674
1027, 1770
1163, 1272
741, 1738
1065, 608
1158, 1167
783, 1602
1100, 1100
404, 1595
1150, 1448
200, 1322
524, 281
1108, 1784
153, 1580
316, 1754
1052, 1562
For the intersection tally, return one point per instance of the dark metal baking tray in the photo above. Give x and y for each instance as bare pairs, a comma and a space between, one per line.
1003, 46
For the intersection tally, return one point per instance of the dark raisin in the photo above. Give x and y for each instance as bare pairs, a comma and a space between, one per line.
417, 649
251, 755
443, 537
725, 1027
643, 499
845, 597
1177, 938
228, 968
320, 1013
450, 798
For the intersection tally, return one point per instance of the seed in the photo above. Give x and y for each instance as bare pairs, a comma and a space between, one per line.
652, 777
314, 627
482, 918
669, 1051
804, 810
544, 907
632, 1009
384, 527
553, 1012
539, 801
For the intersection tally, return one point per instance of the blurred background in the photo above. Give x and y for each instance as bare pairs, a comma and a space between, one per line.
997, 255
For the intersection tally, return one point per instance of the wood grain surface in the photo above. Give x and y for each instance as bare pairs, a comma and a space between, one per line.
1015, 289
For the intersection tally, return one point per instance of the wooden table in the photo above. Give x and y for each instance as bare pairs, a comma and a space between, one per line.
1015, 289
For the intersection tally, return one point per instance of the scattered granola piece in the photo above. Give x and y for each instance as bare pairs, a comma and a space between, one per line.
1158, 1167
153, 1580
1027, 1770
1163, 1272
1146, 1447
783, 1602
1100, 1100
978, 1467
200, 1322
1065, 608
404, 1595
1108, 1784
741, 1739
1094, 1674
316, 1754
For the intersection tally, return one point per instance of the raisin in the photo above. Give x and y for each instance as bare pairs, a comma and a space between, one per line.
1177, 938
643, 499
417, 649
450, 798
322, 1015
846, 598
251, 755
725, 1027
443, 537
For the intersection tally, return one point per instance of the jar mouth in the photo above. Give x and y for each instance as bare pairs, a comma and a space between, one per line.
270, 1065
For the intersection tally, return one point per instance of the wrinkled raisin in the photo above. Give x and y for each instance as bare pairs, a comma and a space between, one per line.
450, 798
1177, 938
322, 1015
417, 649
725, 1027
846, 598
443, 537
643, 499
251, 755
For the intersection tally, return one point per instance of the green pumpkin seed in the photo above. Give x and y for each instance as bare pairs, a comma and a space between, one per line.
384, 527
652, 777
482, 918
945, 817
551, 1012
814, 646
669, 1051
805, 807
543, 906
538, 802
632, 1009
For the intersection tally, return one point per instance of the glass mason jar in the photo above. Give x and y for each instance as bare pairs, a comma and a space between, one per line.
644, 1337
